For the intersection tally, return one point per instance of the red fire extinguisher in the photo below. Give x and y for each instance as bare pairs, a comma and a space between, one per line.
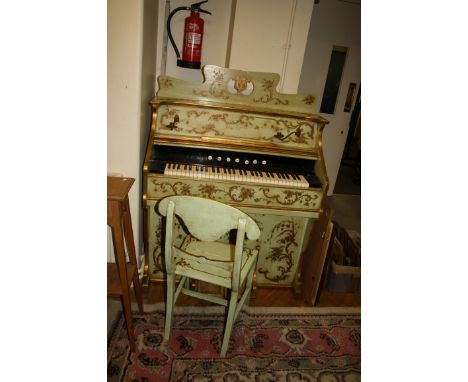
193, 36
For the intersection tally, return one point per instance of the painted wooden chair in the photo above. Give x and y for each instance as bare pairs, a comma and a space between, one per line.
205, 259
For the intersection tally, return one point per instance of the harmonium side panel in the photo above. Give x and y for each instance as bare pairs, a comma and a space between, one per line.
280, 247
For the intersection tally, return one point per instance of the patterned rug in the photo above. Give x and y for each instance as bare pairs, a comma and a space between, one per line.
267, 344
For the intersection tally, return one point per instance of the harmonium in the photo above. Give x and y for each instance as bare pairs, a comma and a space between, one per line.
235, 139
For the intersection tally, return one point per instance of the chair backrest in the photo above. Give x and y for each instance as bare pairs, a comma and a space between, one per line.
207, 219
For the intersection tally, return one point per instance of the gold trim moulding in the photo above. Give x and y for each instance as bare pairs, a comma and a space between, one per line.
238, 144
155, 102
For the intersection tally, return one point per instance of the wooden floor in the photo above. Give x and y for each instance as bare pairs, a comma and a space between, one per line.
262, 296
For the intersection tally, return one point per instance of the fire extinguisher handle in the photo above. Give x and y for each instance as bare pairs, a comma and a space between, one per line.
196, 7
168, 26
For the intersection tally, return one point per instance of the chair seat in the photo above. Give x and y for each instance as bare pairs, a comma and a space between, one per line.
211, 261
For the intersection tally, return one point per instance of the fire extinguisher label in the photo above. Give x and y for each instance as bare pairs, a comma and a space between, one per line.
193, 38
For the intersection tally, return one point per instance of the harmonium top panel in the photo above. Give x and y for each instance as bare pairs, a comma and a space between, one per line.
236, 110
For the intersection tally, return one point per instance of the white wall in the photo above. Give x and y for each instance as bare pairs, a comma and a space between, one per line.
131, 54
270, 36
267, 36
215, 39
333, 23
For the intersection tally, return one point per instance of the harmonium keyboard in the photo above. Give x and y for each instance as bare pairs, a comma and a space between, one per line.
235, 139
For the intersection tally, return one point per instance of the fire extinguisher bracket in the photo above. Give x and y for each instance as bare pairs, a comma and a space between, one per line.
188, 64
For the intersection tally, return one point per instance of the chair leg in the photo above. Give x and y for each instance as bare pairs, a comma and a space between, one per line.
229, 322
169, 305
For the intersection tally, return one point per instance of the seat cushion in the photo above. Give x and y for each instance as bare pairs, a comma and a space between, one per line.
211, 261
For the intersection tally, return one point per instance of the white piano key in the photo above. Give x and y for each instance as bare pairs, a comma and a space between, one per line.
191, 173
226, 174
269, 178
280, 180
215, 173
249, 177
258, 177
182, 170
290, 180
196, 172
179, 171
202, 172
263, 178
276, 179
286, 180
294, 181
304, 182
235, 175
170, 170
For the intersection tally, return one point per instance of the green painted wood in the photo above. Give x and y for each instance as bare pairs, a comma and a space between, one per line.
236, 87
238, 110
201, 258
208, 220
238, 194
181, 121
280, 244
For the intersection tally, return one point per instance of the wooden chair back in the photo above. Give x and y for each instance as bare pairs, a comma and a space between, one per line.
207, 219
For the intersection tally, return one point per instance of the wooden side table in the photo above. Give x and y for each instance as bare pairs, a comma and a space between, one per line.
121, 274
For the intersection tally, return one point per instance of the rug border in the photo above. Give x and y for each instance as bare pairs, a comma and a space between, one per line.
161, 306
114, 325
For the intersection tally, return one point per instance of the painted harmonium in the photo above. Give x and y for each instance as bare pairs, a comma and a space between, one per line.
236, 140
